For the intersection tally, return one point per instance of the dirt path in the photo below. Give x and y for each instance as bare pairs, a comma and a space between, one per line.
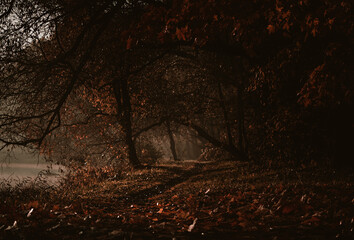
142, 196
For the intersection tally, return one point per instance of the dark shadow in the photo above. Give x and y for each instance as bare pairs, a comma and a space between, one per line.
143, 196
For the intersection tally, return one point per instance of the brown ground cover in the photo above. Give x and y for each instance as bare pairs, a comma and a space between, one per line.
187, 200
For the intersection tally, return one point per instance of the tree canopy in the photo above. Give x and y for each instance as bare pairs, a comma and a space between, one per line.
262, 80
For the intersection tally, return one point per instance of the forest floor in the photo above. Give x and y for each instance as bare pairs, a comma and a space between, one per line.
186, 200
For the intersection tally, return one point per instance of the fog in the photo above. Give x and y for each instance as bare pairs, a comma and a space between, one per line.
18, 165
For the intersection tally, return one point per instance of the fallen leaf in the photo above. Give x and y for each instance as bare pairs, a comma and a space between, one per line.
34, 204
11, 227
56, 207
271, 29
129, 43
312, 220
30, 212
243, 224
191, 227
288, 209
54, 227
180, 35
115, 232
182, 214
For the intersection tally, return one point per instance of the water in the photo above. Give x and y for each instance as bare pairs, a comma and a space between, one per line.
19, 165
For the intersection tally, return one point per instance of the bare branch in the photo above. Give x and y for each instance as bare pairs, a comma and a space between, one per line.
9, 10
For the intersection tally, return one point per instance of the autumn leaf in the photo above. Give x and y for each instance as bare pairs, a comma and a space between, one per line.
191, 227
180, 35
271, 29
129, 43
243, 224
182, 214
175, 197
30, 212
55, 208
330, 22
14, 226
161, 37
316, 22
279, 9
312, 220
286, 26
33, 204
288, 209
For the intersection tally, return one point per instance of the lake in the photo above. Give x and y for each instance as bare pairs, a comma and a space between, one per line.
20, 165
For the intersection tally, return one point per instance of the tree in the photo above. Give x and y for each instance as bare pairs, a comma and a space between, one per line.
261, 71
55, 57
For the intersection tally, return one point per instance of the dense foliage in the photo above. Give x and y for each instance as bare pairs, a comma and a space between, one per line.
261, 80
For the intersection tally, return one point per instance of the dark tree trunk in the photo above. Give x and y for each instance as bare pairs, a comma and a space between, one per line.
242, 138
204, 134
240, 119
172, 141
121, 92
225, 113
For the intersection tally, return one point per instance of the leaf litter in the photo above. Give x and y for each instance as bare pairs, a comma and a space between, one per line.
224, 199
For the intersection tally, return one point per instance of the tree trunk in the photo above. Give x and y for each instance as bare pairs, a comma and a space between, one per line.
242, 75
203, 134
242, 141
172, 141
121, 92
225, 113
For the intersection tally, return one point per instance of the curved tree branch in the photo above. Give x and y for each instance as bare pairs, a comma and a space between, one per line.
204, 134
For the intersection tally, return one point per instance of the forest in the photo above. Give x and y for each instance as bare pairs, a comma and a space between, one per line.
179, 119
